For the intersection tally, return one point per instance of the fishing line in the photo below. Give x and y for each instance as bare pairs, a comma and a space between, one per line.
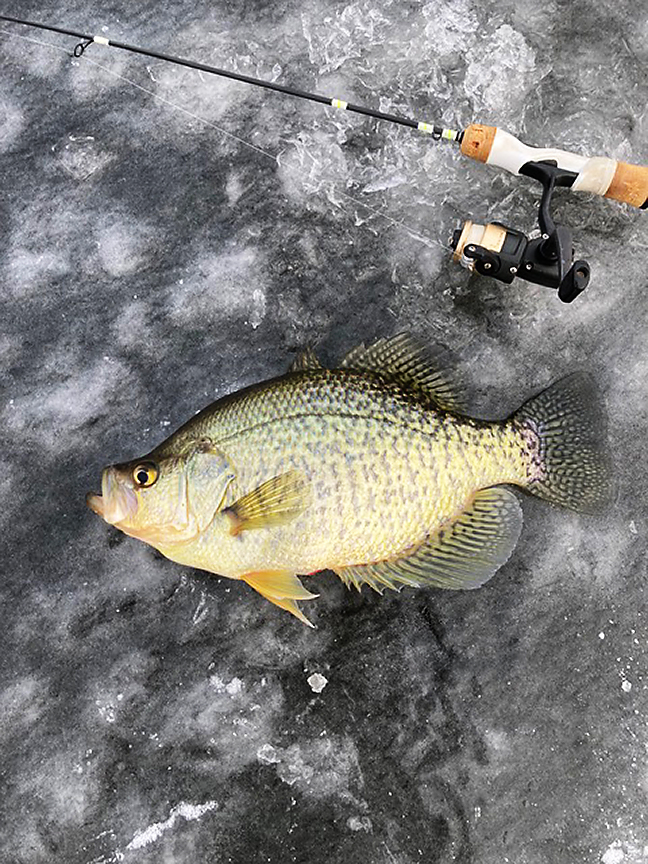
494, 249
437, 132
275, 159
427, 241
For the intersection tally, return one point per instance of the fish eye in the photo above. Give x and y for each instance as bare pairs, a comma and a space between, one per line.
145, 474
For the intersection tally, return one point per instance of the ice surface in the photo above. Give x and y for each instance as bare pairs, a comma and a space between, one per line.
12, 122
501, 74
338, 38
321, 767
451, 27
68, 400
219, 286
22, 704
168, 238
81, 155
614, 854
89, 83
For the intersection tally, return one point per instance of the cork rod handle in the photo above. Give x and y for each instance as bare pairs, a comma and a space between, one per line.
602, 176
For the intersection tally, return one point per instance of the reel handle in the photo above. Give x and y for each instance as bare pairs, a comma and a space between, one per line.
608, 177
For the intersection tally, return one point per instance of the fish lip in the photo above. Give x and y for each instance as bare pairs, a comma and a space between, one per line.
95, 502
117, 501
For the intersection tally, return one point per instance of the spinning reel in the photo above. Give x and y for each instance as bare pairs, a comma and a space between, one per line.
503, 253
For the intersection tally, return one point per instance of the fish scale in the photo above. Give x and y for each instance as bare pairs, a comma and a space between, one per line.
370, 470
382, 468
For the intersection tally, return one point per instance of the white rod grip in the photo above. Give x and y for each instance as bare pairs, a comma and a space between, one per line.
598, 174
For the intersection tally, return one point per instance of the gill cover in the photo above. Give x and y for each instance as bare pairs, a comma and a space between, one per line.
207, 476
187, 492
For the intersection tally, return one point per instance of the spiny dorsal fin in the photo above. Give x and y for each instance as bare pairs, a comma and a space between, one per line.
401, 358
305, 359
282, 589
462, 555
277, 501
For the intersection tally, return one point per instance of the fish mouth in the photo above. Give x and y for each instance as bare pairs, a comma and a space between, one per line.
117, 501
96, 503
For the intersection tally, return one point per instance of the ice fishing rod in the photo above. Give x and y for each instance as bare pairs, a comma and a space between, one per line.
494, 249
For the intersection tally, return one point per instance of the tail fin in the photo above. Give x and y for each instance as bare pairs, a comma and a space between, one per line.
570, 423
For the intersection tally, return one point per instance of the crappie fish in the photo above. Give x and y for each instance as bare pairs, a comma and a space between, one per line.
369, 470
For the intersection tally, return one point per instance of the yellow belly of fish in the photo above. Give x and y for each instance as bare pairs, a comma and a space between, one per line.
377, 489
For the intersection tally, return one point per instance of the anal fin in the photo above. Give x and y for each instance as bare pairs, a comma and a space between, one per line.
282, 589
462, 555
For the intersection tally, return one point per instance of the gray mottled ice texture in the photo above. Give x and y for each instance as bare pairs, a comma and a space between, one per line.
150, 263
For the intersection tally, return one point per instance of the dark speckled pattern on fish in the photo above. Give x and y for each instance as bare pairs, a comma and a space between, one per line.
149, 265
385, 465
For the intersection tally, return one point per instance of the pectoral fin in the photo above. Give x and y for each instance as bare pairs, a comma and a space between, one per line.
282, 589
277, 501
462, 555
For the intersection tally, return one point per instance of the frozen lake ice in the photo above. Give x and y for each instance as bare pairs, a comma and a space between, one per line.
167, 238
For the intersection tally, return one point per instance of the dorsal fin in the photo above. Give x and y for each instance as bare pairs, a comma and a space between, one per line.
305, 359
402, 359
